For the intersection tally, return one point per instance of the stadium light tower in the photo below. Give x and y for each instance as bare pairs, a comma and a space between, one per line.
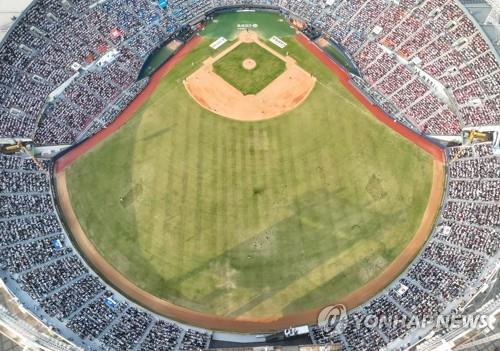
494, 17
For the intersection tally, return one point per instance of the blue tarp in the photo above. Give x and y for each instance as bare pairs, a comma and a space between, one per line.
56, 243
162, 4
110, 302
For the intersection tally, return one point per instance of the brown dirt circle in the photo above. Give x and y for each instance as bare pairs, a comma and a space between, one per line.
322, 42
284, 94
249, 64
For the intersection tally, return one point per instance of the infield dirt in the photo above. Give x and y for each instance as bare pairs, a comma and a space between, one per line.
285, 93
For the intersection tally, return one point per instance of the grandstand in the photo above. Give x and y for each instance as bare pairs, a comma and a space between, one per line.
8, 13
69, 68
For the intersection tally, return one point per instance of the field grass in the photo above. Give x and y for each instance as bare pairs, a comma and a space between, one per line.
249, 82
155, 61
338, 56
251, 219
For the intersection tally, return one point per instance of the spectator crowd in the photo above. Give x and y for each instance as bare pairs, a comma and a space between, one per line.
54, 83
67, 70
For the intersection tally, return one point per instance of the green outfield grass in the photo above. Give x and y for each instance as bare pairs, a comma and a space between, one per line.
230, 68
251, 219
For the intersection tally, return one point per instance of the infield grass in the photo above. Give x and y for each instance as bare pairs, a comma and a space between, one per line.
251, 219
249, 82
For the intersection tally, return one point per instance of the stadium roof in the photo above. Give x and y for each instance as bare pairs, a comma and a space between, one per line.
9, 9
487, 15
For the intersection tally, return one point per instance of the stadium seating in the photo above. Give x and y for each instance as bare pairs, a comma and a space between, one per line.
391, 44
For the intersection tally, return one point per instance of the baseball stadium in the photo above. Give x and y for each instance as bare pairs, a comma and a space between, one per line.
214, 174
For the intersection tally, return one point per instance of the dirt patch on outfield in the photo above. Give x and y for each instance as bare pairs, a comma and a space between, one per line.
396, 267
284, 94
242, 324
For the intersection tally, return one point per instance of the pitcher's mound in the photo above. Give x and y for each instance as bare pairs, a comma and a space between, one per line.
249, 64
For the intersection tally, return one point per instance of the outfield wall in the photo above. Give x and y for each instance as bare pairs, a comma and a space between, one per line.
343, 52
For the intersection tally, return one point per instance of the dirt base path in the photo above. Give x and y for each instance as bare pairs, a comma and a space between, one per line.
285, 93
255, 325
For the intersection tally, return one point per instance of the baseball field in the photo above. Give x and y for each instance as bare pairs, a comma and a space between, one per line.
251, 219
